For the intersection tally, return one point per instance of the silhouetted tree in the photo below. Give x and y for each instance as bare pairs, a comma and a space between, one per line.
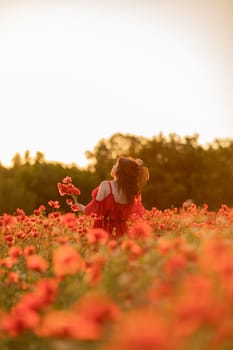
180, 169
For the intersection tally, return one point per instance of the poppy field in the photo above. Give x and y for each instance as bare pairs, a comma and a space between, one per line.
166, 285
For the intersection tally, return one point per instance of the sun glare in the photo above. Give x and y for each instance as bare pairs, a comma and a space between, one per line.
72, 74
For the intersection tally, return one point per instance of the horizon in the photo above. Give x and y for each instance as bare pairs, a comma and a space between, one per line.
32, 154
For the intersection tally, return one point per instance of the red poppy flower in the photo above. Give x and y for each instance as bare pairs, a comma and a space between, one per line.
66, 261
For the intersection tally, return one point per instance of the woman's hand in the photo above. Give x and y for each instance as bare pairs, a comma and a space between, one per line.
81, 207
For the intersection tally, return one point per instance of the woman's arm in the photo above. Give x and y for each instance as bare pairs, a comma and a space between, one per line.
103, 191
81, 207
96, 205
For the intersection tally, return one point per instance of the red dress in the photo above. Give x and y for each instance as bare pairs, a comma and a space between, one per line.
113, 216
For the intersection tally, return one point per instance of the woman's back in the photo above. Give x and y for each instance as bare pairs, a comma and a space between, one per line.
111, 209
111, 187
114, 202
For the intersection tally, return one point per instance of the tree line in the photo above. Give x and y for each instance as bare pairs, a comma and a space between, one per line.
180, 169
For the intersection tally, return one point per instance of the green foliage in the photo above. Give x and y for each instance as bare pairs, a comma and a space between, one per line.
180, 169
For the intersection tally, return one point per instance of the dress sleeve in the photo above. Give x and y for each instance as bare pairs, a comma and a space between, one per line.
94, 206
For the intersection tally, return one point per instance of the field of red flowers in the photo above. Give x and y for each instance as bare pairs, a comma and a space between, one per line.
167, 285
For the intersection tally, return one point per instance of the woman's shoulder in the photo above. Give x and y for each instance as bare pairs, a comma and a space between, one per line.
105, 185
103, 190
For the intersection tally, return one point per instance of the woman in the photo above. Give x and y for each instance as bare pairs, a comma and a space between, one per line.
114, 202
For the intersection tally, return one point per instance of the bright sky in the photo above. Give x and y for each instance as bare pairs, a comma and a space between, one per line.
73, 72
